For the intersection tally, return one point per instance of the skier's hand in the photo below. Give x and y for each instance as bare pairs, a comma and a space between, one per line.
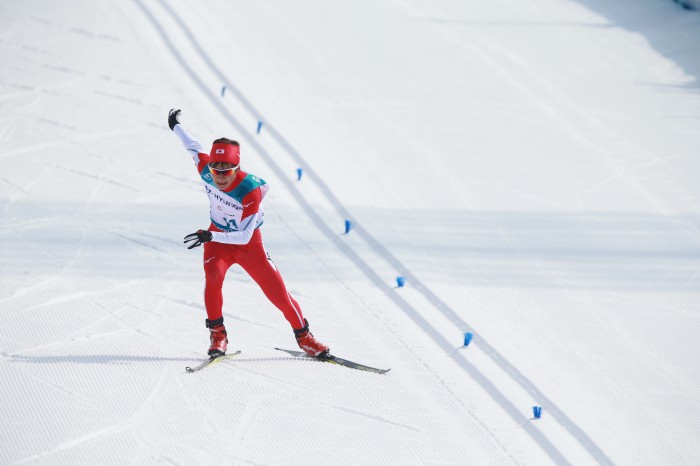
173, 118
197, 238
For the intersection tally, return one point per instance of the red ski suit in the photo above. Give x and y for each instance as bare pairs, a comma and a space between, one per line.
236, 216
219, 257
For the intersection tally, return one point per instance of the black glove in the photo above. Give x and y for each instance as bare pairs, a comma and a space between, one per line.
173, 116
201, 236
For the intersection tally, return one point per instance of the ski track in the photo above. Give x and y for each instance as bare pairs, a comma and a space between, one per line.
545, 96
370, 416
81, 399
15, 186
252, 411
588, 131
98, 177
578, 434
28, 149
242, 361
134, 419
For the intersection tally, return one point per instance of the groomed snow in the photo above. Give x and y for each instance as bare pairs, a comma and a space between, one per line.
530, 167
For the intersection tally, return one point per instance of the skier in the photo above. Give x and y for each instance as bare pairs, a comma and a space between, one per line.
234, 237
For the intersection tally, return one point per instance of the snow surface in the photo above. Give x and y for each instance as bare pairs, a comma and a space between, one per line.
530, 167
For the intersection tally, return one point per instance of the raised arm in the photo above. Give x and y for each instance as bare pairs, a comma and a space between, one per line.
190, 144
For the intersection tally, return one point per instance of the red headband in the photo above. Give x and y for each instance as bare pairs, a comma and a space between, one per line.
223, 152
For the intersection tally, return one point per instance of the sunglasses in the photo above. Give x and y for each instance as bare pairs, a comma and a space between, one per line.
223, 171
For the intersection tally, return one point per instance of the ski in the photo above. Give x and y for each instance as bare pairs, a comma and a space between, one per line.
336, 360
211, 361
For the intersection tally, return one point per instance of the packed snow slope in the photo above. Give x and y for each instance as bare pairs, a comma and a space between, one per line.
530, 167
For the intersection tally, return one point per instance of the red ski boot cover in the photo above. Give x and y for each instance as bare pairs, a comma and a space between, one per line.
218, 340
308, 343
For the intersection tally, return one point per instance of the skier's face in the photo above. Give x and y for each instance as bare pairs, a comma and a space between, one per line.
223, 174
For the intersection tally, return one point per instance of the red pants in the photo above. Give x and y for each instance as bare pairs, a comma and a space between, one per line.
219, 257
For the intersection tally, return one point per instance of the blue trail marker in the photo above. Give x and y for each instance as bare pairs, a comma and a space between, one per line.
468, 338
348, 226
299, 173
400, 281
537, 411
223, 90
259, 126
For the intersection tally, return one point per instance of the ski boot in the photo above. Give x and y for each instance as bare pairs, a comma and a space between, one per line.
218, 338
309, 344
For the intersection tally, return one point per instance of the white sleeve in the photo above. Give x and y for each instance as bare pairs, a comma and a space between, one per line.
241, 236
190, 143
